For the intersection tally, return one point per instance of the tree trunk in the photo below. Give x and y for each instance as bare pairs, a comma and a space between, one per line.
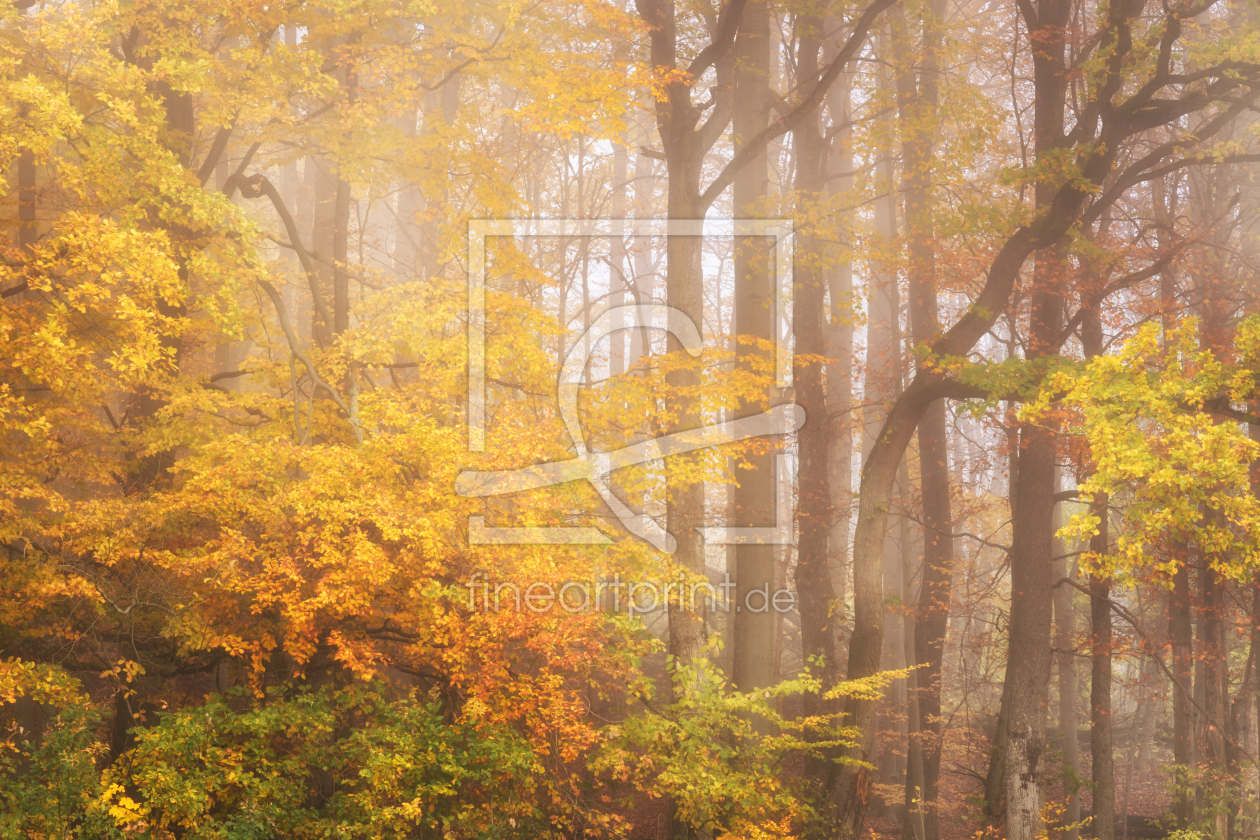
1180, 627
884, 378
840, 375
814, 511
853, 787
1032, 501
323, 240
1181, 630
1102, 749
1100, 740
1065, 663
676, 118
754, 317
917, 105
1029, 665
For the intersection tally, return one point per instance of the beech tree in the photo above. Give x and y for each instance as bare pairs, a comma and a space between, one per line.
307, 528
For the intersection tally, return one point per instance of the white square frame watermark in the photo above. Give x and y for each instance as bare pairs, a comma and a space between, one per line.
775, 422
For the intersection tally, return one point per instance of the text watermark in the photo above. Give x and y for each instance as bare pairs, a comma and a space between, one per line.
636, 597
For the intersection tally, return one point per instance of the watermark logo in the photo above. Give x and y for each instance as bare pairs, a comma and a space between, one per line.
598, 467
638, 597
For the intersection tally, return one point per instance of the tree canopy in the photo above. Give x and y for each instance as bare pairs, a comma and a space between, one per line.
589, 418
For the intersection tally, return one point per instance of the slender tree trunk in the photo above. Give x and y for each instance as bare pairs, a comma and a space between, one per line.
1220, 291
340, 255
870, 649
420, 212
618, 289
1065, 662
1216, 683
754, 317
684, 504
1100, 740
840, 375
1181, 630
1102, 748
913, 570
28, 201
1180, 627
884, 382
995, 779
323, 240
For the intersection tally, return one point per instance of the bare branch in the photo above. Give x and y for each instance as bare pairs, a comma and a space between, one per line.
295, 349
258, 185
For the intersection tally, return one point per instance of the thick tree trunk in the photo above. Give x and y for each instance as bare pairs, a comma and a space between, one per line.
1029, 665
917, 104
814, 512
1032, 498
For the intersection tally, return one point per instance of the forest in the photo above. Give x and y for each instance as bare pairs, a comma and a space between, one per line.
630, 419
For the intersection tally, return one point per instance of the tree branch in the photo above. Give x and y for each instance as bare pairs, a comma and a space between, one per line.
804, 108
295, 350
257, 186
212, 157
723, 40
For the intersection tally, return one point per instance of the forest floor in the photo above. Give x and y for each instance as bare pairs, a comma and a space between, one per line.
962, 794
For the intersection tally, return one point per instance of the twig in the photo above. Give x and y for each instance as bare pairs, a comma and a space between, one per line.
317, 258
1129, 617
257, 186
316, 382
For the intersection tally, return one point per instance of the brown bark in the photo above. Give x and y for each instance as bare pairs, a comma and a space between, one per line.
1029, 665
917, 106
1032, 494
1180, 628
1065, 665
341, 279
814, 514
754, 649
840, 376
995, 776
1101, 745
323, 235
1216, 336
685, 139
884, 374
